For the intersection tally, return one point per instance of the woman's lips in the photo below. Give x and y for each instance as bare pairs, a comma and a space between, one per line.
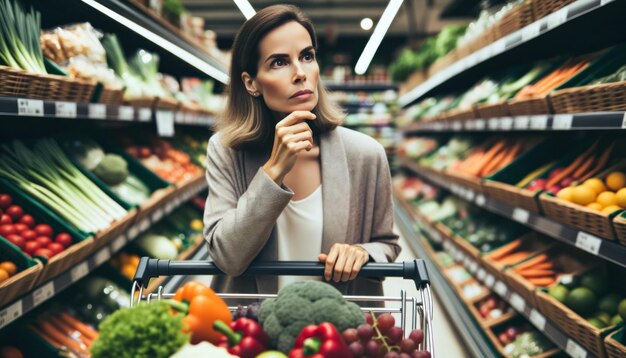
304, 94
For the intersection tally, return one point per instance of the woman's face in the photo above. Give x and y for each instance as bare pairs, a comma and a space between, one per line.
288, 72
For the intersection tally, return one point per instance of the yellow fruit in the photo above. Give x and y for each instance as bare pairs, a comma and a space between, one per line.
9, 267
566, 194
3, 275
616, 181
621, 198
607, 198
610, 209
595, 206
582, 195
595, 184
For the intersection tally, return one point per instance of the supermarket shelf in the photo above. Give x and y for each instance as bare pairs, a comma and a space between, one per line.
556, 122
370, 125
47, 290
562, 340
477, 344
12, 107
552, 35
601, 247
365, 87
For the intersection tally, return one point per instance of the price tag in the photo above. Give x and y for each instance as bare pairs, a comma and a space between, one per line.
481, 274
30, 107
165, 123
562, 121
539, 122
79, 271
518, 302
43, 293
133, 232
494, 123
531, 31
557, 18
157, 215
538, 320
489, 280
481, 200
179, 117
145, 114
457, 126
588, 242
10, 314
125, 113
97, 111
480, 124
506, 123
65, 109
169, 207
102, 256
500, 288
521, 215
458, 256
144, 224
624, 121
470, 195
574, 349
522, 122
118, 243
436, 236
473, 266
498, 47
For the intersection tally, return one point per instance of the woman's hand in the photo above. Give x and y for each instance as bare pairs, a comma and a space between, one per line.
292, 136
344, 262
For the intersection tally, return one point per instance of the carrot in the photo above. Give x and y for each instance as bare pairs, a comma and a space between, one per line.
542, 266
572, 167
534, 261
536, 273
55, 343
71, 344
84, 329
505, 250
69, 330
514, 258
489, 155
493, 164
584, 167
601, 163
541, 281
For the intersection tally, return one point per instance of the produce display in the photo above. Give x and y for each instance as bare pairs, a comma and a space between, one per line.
493, 307
126, 264
64, 331
7, 269
19, 38
521, 340
606, 196
540, 270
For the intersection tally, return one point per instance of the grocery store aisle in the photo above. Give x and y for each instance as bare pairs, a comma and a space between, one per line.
447, 342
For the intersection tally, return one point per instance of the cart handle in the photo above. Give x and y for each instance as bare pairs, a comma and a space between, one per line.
149, 268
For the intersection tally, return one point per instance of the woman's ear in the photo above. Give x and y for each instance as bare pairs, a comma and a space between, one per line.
250, 84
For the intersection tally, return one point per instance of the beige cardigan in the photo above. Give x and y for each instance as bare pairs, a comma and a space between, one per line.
244, 203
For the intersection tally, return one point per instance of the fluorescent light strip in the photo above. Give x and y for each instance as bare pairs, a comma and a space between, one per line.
246, 9
160, 41
377, 36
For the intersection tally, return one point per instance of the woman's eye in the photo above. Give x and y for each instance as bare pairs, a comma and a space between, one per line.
278, 63
308, 57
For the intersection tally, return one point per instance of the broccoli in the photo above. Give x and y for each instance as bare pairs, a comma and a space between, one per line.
304, 303
112, 169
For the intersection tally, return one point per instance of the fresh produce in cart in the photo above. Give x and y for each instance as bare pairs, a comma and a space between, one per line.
320, 341
244, 337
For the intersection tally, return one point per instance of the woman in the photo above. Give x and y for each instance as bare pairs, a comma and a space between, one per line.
285, 182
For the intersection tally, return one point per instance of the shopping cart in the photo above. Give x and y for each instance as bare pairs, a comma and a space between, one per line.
412, 270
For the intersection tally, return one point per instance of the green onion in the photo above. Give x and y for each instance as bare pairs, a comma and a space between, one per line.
19, 37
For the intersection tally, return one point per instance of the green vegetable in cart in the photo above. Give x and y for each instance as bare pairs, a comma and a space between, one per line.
272, 354
146, 330
112, 169
301, 304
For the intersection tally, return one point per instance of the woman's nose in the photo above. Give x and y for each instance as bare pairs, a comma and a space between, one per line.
299, 75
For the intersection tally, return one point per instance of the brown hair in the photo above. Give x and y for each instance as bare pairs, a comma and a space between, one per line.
247, 121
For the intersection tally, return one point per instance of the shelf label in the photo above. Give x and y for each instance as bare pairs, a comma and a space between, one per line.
522, 122
43, 293
574, 349
157, 215
102, 256
518, 302
481, 274
473, 266
538, 320
624, 121
30, 107
97, 111
133, 232
481, 200
179, 117
500, 288
10, 314
506, 123
588, 242
118, 243
562, 121
490, 280
145, 114
79, 271
557, 18
494, 123
457, 125
125, 113
531, 31
521, 215
480, 124
165, 123
497, 47
169, 207
539, 122
65, 109
144, 224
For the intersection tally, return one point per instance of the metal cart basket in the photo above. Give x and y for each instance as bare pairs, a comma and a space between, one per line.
413, 310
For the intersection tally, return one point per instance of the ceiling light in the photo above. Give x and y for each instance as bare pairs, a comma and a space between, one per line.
377, 36
367, 23
246, 9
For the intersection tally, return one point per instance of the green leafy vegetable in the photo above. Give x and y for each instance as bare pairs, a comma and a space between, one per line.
19, 37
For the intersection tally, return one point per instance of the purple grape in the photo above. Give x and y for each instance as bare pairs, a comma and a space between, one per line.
404, 355
253, 311
407, 345
350, 335
385, 322
421, 354
239, 312
417, 336
368, 318
372, 349
365, 332
392, 355
357, 349
395, 335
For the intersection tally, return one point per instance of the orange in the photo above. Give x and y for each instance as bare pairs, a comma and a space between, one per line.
9, 267
616, 181
610, 209
582, 195
3, 275
595, 206
621, 198
566, 194
595, 184
607, 198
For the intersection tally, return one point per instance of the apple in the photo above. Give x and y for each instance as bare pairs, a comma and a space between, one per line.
6, 230
15, 212
43, 241
5, 201
29, 235
512, 333
28, 220
44, 230
44, 253
567, 182
17, 240
503, 338
31, 247
20, 228
5, 219
56, 248
64, 239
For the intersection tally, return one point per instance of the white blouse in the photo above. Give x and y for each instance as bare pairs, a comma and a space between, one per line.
299, 233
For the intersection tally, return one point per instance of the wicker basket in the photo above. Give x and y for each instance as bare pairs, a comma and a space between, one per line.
157, 200
169, 104
111, 96
465, 246
490, 110
572, 324
512, 195
614, 348
492, 333
531, 106
596, 98
619, 224
518, 17
19, 83
66, 259
466, 181
542, 8
117, 228
20, 283
489, 322
142, 102
415, 79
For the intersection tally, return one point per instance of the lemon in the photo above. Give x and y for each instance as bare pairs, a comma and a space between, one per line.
616, 181
621, 198
607, 198
566, 194
610, 209
595, 184
583, 196
595, 206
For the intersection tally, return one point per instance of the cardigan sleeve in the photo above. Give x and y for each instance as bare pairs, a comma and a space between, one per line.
383, 245
237, 228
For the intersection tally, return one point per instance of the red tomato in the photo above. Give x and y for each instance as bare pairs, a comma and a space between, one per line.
20, 228
6, 230
5, 201
28, 220
56, 248
31, 246
64, 239
17, 240
44, 230
15, 212
5, 219
43, 241
44, 253
29, 235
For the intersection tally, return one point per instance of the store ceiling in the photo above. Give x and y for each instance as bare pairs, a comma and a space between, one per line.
416, 17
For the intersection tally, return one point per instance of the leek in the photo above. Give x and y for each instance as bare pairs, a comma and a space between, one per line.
19, 37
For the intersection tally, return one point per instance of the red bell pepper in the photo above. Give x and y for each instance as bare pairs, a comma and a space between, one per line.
244, 337
323, 341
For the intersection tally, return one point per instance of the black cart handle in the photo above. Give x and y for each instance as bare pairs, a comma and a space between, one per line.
148, 268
